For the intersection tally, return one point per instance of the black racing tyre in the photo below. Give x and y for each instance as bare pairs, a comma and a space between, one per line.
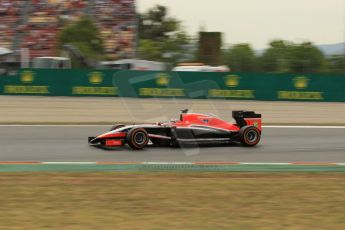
249, 136
116, 127
137, 138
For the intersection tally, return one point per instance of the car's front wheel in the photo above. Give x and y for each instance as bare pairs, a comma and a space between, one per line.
137, 138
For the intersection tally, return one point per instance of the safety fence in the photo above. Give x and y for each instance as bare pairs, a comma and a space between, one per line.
201, 85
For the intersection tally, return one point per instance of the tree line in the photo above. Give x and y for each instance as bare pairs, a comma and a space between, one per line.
162, 38
284, 57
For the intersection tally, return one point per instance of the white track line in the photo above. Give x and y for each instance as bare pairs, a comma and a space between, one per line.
19, 125
167, 163
197, 163
69, 163
190, 163
304, 126
252, 163
265, 126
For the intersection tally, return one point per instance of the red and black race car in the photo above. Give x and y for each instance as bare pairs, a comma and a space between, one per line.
191, 128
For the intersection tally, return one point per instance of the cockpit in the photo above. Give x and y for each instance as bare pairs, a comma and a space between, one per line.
183, 111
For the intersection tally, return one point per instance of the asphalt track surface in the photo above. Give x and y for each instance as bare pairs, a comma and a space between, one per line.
69, 144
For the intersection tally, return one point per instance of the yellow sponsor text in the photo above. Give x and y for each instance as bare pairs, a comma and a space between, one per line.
223, 93
297, 95
22, 89
161, 92
85, 90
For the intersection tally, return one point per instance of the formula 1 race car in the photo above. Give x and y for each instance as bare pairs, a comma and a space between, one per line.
191, 128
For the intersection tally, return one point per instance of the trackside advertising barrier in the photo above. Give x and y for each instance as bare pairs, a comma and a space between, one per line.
201, 85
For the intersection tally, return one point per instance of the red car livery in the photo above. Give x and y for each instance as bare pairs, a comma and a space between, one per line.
189, 129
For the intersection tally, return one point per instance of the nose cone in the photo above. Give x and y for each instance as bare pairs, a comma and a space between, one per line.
93, 140
112, 134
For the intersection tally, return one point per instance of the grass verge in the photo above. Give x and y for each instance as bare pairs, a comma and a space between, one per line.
203, 200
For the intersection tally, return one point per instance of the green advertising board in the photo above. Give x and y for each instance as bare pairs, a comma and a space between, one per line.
201, 85
59, 83
240, 86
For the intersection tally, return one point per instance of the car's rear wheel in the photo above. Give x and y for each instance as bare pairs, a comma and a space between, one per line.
137, 138
249, 135
116, 127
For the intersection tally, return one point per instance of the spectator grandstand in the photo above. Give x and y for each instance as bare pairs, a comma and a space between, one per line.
34, 24
117, 22
10, 15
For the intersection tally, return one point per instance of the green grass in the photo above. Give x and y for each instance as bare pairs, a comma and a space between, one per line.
172, 200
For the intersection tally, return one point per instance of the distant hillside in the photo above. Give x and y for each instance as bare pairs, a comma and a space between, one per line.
332, 49
327, 49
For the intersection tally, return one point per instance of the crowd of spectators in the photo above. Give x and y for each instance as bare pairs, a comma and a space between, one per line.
43, 19
10, 12
117, 25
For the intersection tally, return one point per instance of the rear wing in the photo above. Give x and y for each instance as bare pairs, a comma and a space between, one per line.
243, 118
